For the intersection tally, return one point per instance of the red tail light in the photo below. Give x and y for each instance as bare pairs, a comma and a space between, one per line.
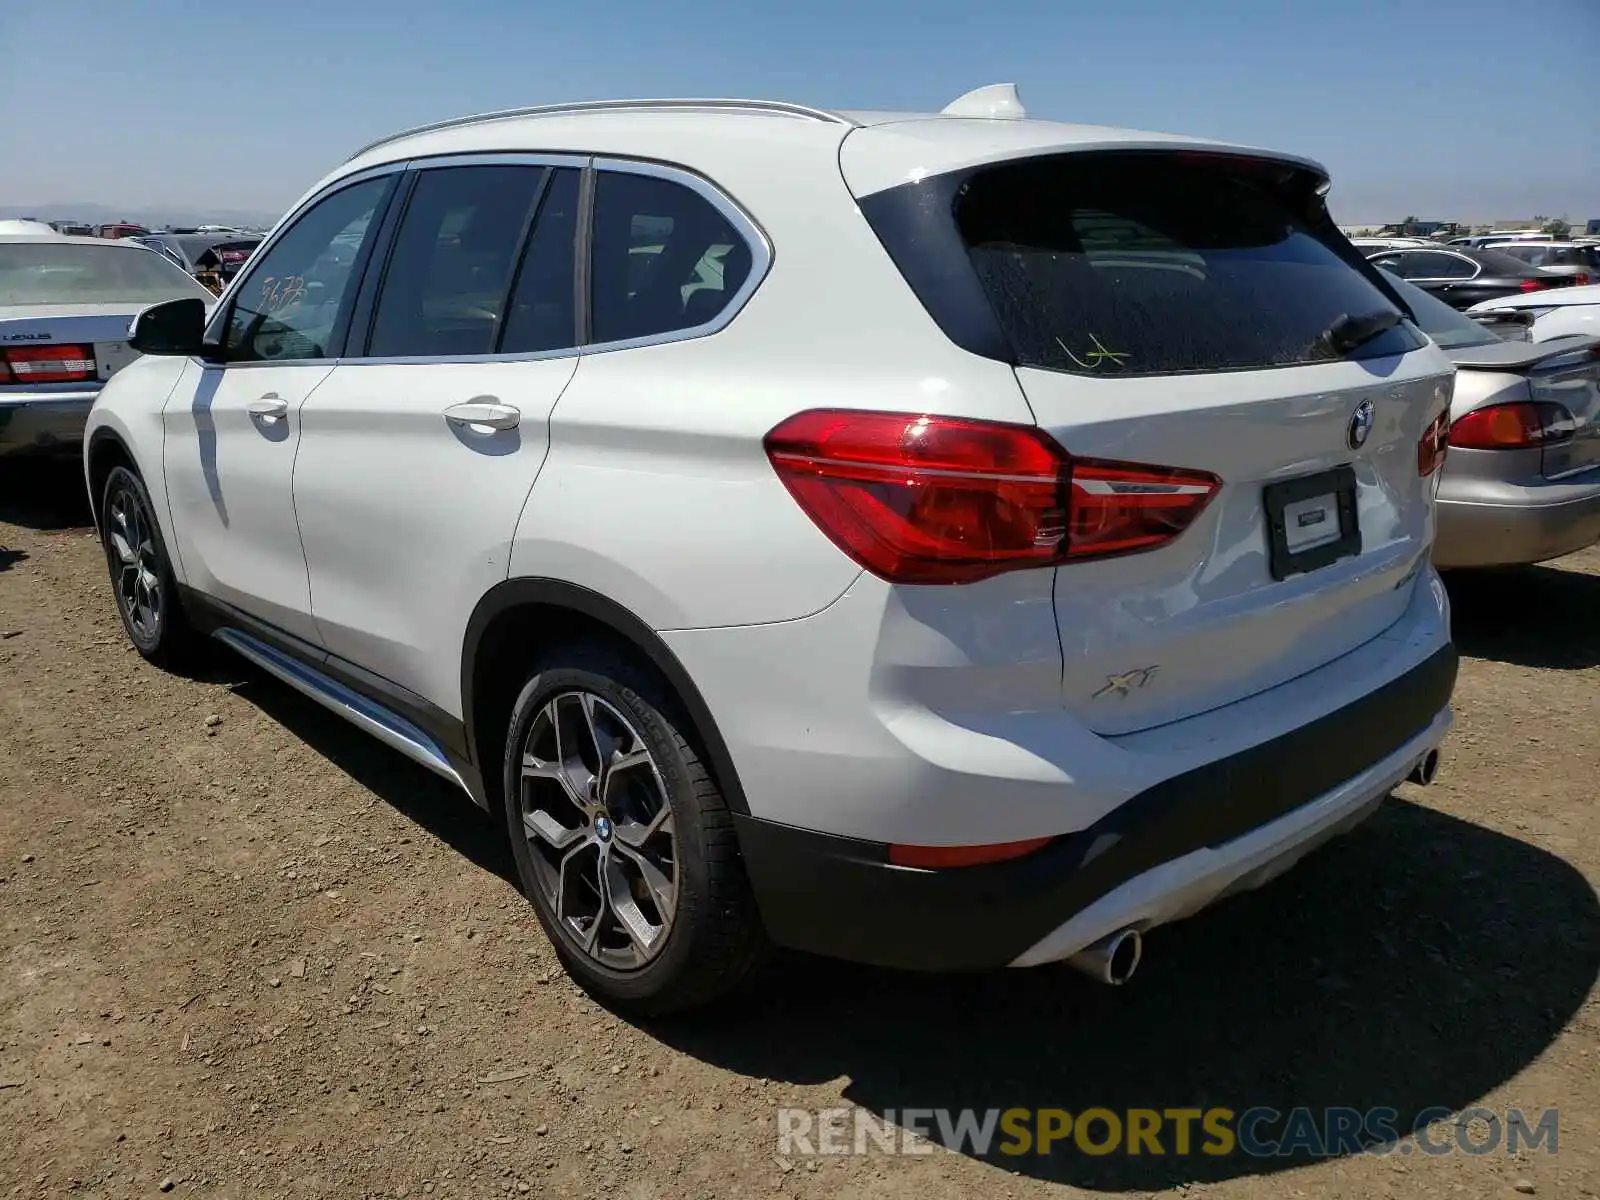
50, 364
1533, 285
1519, 426
1581, 279
923, 499
1433, 445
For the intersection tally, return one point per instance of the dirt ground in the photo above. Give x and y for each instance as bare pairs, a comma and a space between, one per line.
246, 951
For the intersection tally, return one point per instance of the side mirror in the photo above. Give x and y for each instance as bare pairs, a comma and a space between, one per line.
176, 328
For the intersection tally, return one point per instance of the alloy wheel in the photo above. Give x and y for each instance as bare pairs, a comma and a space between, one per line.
599, 827
135, 563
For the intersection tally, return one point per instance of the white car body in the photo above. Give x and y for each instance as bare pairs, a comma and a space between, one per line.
1560, 312
347, 534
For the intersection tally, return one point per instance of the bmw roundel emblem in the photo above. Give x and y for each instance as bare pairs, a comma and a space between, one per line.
1360, 425
602, 829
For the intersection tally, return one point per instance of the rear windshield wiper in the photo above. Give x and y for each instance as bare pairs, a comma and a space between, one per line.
1348, 332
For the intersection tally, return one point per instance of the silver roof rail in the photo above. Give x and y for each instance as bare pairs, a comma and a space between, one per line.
778, 107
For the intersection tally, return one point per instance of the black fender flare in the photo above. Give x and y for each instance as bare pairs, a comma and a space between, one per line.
555, 593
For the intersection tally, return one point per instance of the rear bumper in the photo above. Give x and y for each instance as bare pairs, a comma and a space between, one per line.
1524, 525
44, 422
1169, 850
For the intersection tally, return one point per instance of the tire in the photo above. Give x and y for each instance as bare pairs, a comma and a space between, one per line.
634, 870
142, 582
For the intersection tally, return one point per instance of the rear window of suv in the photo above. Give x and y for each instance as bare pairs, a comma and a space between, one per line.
1135, 264
1155, 265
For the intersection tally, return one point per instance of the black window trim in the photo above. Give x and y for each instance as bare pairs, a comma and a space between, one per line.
223, 313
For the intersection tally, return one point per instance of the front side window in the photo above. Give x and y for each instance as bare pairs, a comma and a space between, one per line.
664, 258
298, 294
1153, 265
452, 261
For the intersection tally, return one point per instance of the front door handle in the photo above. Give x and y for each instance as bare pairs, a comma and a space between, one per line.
479, 412
269, 408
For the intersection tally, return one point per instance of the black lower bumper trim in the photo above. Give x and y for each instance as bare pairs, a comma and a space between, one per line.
842, 898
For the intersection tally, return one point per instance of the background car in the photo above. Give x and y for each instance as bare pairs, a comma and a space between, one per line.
65, 307
209, 257
1580, 261
1550, 314
119, 229
1462, 277
1521, 483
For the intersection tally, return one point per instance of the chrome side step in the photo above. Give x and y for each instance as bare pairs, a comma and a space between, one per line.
392, 730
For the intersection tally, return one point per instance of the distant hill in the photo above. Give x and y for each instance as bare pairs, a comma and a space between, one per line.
103, 214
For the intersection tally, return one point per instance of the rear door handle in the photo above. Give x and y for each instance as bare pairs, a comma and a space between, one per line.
270, 407
478, 412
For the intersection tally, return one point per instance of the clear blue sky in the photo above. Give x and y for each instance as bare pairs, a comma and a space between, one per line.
1480, 108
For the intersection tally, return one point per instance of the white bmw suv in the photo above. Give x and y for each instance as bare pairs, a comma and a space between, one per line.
943, 541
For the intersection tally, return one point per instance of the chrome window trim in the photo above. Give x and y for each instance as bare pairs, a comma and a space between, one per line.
760, 246
218, 320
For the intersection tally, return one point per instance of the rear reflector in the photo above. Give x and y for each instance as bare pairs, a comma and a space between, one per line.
50, 364
924, 499
938, 857
1520, 426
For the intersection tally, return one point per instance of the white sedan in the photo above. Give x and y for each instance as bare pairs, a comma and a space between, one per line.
1556, 313
65, 307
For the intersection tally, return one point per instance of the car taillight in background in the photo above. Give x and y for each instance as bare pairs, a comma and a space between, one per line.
48, 364
925, 499
1523, 425
1533, 285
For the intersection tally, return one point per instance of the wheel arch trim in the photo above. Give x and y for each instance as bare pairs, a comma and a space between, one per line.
512, 594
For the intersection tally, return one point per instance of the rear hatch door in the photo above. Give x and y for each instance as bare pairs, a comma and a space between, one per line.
1195, 310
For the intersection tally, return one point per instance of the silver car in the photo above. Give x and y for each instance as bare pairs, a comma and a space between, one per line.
65, 307
1522, 480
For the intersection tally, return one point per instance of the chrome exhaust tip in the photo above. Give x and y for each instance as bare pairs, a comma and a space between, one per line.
1427, 767
1111, 960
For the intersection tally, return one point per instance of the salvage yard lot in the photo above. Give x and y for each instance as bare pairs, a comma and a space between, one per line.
244, 950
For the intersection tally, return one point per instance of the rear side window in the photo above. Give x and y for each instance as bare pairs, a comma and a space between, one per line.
451, 265
1155, 265
664, 258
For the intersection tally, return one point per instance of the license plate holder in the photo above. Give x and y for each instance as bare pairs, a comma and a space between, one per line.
1311, 521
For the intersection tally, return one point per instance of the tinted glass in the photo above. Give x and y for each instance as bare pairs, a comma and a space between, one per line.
542, 312
1495, 262
1439, 321
1532, 253
1431, 264
450, 269
296, 294
1154, 265
52, 272
664, 258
